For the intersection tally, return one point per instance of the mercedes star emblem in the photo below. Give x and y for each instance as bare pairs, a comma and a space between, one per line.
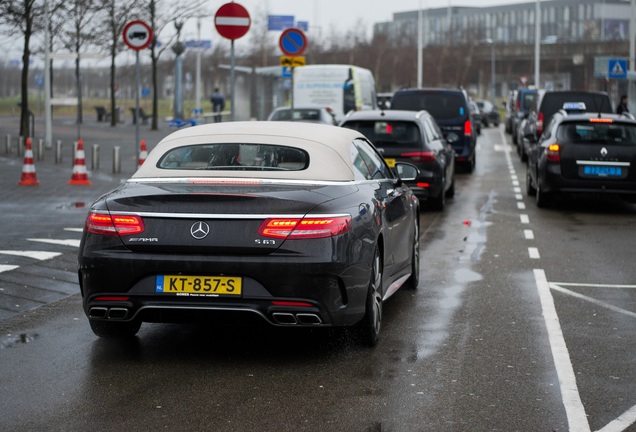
199, 230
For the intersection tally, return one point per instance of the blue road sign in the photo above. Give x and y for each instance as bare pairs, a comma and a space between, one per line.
204, 44
303, 25
293, 42
287, 72
279, 22
617, 68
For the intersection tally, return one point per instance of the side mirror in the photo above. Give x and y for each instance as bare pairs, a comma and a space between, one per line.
406, 171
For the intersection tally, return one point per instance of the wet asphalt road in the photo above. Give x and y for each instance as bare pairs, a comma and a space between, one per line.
473, 349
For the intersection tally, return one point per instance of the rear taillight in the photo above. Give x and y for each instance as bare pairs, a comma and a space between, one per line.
540, 124
305, 228
425, 156
468, 128
106, 224
552, 154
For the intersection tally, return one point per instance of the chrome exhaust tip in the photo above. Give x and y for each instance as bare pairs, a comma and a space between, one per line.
284, 318
117, 313
97, 312
308, 319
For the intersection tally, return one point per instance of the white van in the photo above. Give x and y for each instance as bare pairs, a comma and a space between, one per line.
342, 88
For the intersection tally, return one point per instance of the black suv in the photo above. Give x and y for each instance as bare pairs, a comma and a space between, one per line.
449, 108
583, 152
548, 103
414, 137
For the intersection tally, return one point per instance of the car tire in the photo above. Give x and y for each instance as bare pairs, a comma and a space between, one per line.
115, 330
470, 165
543, 199
369, 327
531, 190
450, 193
438, 203
414, 280
522, 152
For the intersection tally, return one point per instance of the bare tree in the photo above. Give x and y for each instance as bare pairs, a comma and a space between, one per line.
24, 16
161, 13
80, 34
118, 13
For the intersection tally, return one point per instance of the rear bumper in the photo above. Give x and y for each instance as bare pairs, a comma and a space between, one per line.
551, 180
281, 290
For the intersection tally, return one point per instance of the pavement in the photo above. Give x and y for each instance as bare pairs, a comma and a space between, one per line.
40, 226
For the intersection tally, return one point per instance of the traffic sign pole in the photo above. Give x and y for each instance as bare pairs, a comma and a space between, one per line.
232, 21
137, 35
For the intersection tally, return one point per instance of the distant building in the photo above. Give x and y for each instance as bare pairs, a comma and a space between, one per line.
561, 21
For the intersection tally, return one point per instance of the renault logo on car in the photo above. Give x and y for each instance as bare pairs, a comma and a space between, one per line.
199, 230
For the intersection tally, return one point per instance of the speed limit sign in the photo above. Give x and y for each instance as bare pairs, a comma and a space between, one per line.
137, 35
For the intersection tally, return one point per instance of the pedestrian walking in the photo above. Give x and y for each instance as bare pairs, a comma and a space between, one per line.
218, 104
622, 106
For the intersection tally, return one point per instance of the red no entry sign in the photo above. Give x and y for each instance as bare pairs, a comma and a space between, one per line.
232, 21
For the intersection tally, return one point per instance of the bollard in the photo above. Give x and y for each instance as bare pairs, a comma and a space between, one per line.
40, 149
116, 160
20, 146
95, 158
58, 152
8, 149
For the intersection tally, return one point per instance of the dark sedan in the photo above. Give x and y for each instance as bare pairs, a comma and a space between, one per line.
583, 153
414, 137
294, 224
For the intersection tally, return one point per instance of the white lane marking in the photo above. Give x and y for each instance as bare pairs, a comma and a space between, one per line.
556, 287
528, 234
514, 177
68, 242
517, 190
521, 206
4, 267
38, 255
574, 410
627, 419
515, 182
533, 253
519, 196
524, 219
79, 230
592, 285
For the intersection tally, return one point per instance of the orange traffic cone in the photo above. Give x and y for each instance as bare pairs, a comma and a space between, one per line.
143, 153
28, 169
79, 177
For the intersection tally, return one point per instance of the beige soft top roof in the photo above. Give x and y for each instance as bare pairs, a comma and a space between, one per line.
328, 148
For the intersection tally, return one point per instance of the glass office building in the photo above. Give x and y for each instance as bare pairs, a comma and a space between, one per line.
562, 21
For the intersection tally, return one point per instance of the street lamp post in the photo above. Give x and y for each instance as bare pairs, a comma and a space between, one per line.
492, 72
492, 68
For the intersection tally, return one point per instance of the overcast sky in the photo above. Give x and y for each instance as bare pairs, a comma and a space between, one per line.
323, 15
343, 13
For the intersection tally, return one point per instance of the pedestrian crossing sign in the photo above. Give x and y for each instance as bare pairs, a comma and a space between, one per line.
617, 68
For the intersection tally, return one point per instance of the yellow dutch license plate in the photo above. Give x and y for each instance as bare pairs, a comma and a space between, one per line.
195, 286
390, 162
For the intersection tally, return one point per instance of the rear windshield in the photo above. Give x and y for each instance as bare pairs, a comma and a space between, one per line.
298, 115
389, 133
552, 102
235, 156
528, 101
440, 105
598, 133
